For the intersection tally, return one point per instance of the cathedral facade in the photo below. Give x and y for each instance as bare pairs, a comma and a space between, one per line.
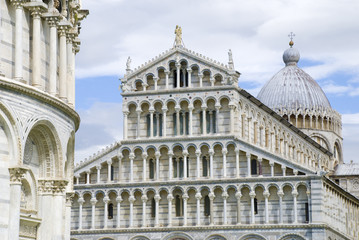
39, 40
202, 159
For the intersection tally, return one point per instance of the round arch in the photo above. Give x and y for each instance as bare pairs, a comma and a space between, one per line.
253, 237
177, 236
292, 236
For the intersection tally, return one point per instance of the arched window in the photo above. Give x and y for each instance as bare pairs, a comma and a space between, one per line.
205, 167
152, 169
207, 206
112, 172
255, 206
253, 166
110, 211
153, 207
179, 206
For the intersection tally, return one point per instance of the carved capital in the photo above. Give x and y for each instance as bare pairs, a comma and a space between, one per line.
59, 186
69, 198
46, 186
17, 174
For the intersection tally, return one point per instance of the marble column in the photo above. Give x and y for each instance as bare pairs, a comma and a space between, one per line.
224, 154
152, 110
283, 170
106, 200
252, 195
295, 207
157, 125
16, 175
271, 163
280, 195
231, 107
211, 154
198, 197
70, 86
167, 76
178, 124
169, 199
77, 176
109, 164
132, 157
138, 123
98, 168
80, 202
157, 155
200, 76
178, 74
225, 197
157, 208
131, 200
62, 63
185, 198
238, 196
237, 163
58, 209
217, 118
211, 130
170, 167
190, 119
144, 166
36, 47
120, 156
266, 210
211, 79
68, 205
185, 155
19, 11
125, 124
211, 214
53, 56
198, 163
144, 199
164, 122
248, 155
204, 120
119, 200
155, 79
93, 211
88, 172
189, 70
260, 167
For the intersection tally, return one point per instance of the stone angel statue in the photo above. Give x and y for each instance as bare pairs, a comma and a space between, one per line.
178, 39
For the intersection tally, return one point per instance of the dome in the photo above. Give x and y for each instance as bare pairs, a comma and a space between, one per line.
292, 88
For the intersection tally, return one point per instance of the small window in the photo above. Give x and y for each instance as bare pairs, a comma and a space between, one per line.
174, 124
174, 164
174, 78
306, 212
254, 166
255, 206
153, 207
204, 166
181, 167
152, 169
155, 124
112, 173
110, 211
179, 206
207, 206
148, 125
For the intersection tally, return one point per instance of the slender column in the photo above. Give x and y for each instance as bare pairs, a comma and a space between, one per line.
106, 200
58, 209
224, 154
185, 198
200, 76
185, 155
88, 176
16, 175
36, 59
68, 204
266, 196
295, 207
170, 167
237, 163
81, 202
109, 164
157, 155
144, 200
178, 168
164, 122
190, 120
184, 122
155, 79
204, 123
217, 118
280, 195
18, 41
167, 74
211, 130
62, 64
198, 155
169, 199
225, 196
120, 156
53, 56
70, 70
145, 85
231, 107
271, 163
260, 167
248, 155
152, 110
125, 124
98, 168
198, 203
283, 170
77, 176
211, 79
310, 206
189, 70
211, 154
157, 124
157, 208
131, 200
119, 200
211, 214
138, 122
252, 195
178, 74
238, 196
144, 166
178, 126
132, 157
93, 211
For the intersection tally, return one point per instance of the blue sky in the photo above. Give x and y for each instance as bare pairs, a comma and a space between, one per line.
256, 31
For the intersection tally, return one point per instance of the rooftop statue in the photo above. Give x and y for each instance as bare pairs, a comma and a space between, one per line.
178, 39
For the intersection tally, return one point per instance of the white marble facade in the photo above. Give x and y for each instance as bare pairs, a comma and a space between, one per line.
203, 159
39, 40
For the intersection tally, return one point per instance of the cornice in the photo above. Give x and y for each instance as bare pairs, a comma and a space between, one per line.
45, 98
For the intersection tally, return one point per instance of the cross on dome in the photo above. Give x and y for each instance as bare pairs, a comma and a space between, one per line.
291, 36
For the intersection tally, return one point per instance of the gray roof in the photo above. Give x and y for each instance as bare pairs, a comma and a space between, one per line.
349, 169
292, 88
